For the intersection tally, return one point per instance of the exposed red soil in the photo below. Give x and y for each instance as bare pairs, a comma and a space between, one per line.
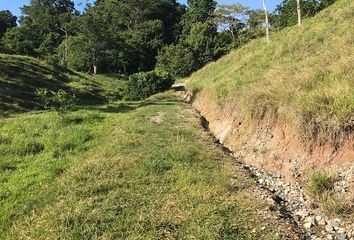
271, 145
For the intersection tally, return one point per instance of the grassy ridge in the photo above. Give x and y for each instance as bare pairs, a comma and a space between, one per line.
143, 170
20, 76
304, 76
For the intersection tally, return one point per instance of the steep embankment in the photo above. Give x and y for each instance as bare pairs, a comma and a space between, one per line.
287, 106
20, 76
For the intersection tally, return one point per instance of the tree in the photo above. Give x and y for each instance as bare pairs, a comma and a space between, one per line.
229, 18
94, 26
177, 60
242, 23
78, 58
325, 3
7, 21
60, 101
42, 25
291, 12
125, 36
20, 40
202, 42
198, 11
255, 24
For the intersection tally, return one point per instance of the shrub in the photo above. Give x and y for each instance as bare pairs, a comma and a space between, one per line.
144, 84
60, 101
321, 182
177, 60
333, 205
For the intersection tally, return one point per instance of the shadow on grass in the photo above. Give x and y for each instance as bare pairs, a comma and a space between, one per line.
21, 76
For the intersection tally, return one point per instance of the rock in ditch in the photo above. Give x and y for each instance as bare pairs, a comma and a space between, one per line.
342, 236
311, 220
308, 225
329, 228
333, 224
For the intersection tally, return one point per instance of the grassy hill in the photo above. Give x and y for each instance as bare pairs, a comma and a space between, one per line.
20, 76
303, 77
116, 170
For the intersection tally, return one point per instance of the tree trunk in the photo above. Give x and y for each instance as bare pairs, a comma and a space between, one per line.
94, 64
66, 45
233, 35
66, 48
298, 13
267, 20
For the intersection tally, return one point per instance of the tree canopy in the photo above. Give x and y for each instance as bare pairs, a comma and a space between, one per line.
285, 13
127, 37
7, 20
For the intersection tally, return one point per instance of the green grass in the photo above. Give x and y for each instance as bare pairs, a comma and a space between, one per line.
322, 189
35, 149
321, 182
20, 76
303, 76
115, 172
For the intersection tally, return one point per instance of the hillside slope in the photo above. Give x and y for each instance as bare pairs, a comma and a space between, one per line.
117, 170
20, 76
286, 106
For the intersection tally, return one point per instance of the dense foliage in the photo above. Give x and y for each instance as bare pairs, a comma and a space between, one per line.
44, 25
285, 14
178, 60
7, 20
127, 37
144, 84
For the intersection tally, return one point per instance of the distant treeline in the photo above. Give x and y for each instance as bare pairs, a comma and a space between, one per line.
125, 36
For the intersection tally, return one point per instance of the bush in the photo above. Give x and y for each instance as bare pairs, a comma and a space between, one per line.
60, 101
177, 60
321, 182
144, 84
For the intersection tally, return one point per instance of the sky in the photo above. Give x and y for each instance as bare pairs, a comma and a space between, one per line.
14, 5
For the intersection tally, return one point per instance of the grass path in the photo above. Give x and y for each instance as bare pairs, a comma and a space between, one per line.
147, 171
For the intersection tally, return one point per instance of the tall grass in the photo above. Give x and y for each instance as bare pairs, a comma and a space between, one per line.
302, 73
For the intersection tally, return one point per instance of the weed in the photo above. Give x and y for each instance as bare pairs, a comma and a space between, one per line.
157, 165
321, 182
333, 205
222, 92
